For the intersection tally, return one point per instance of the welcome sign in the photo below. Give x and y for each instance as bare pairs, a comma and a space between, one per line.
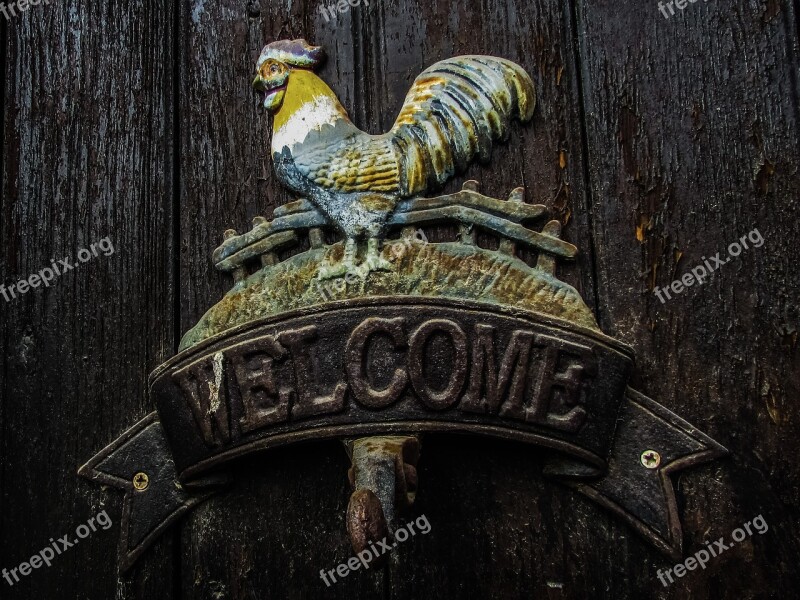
442, 337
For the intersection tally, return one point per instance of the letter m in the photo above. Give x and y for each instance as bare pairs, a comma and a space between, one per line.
509, 380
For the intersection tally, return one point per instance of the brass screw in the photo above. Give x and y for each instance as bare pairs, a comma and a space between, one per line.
140, 482
651, 459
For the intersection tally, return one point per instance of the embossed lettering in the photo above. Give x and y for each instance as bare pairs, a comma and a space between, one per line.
203, 384
416, 360
263, 402
307, 404
511, 377
532, 378
356, 362
580, 363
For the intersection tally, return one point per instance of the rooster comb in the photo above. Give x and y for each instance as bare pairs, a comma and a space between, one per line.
298, 53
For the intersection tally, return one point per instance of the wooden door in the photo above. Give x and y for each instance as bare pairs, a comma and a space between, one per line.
658, 140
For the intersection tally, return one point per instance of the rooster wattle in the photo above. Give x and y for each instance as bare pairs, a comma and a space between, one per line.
453, 113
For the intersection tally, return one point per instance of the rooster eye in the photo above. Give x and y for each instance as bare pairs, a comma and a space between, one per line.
274, 69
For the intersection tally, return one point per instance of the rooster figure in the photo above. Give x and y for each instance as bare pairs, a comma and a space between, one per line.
453, 113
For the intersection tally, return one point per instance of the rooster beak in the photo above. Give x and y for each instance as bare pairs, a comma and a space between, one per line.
259, 84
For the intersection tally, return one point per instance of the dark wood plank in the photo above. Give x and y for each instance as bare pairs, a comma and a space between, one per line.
284, 520
496, 523
692, 127
392, 43
87, 155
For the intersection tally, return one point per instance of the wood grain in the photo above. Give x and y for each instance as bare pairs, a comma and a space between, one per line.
656, 142
692, 129
87, 154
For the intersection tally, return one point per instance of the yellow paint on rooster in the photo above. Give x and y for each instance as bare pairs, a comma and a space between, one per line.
308, 104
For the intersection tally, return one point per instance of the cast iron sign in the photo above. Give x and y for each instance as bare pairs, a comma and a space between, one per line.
381, 336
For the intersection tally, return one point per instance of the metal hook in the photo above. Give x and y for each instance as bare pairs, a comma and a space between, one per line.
384, 479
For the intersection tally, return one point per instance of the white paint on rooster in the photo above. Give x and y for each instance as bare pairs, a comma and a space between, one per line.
311, 116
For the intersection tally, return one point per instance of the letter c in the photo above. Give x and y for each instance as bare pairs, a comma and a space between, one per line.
356, 362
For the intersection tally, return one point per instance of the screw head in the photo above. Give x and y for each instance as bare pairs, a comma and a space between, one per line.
650, 459
140, 482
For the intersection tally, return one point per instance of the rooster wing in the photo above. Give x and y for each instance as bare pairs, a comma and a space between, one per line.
356, 163
454, 111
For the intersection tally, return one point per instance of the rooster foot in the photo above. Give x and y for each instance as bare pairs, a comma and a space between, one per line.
333, 270
373, 261
346, 265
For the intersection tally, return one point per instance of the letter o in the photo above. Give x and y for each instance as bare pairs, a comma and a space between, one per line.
397, 535
738, 539
84, 255
416, 360
738, 249
84, 528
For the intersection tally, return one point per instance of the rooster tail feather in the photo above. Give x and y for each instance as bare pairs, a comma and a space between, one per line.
455, 111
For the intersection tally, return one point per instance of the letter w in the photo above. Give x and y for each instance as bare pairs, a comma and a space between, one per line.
203, 384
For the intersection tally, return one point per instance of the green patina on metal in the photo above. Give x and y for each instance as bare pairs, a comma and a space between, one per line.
448, 270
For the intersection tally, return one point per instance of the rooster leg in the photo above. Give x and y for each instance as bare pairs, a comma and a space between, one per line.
373, 261
343, 267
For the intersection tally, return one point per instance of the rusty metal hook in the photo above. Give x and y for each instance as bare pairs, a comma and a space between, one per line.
383, 475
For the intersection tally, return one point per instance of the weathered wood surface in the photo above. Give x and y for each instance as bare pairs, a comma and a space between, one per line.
657, 142
693, 139
87, 146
